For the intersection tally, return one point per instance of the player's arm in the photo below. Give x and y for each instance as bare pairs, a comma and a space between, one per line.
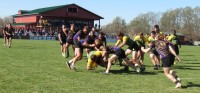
4, 32
145, 50
7, 33
105, 56
174, 53
170, 38
96, 48
123, 42
59, 37
86, 43
117, 43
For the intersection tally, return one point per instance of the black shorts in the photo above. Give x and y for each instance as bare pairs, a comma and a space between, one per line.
166, 61
70, 41
136, 48
172, 59
120, 53
63, 41
77, 44
155, 52
8, 36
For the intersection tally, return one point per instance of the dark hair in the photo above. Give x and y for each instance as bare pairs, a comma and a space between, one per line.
156, 26
101, 33
120, 34
174, 31
93, 57
141, 33
153, 32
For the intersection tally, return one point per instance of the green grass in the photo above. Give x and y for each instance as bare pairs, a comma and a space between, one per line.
37, 67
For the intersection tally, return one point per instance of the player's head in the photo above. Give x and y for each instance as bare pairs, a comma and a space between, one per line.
174, 31
97, 41
93, 57
120, 35
93, 29
72, 26
101, 34
141, 34
156, 28
91, 33
64, 28
153, 33
85, 29
9, 25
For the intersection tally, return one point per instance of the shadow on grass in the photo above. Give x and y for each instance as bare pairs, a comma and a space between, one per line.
187, 55
132, 72
192, 63
191, 84
187, 67
190, 60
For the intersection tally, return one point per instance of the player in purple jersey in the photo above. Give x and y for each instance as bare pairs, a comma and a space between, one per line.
165, 49
117, 53
78, 39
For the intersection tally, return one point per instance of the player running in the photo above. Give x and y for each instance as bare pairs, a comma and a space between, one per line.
79, 39
62, 38
165, 49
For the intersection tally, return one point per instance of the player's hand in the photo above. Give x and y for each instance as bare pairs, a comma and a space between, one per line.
179, 59
92, 45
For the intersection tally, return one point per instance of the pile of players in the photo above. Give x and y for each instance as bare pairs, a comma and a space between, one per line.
160, 48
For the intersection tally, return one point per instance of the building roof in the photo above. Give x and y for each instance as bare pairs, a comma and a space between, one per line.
42, 10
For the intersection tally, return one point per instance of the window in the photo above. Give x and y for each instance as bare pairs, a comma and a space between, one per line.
73, 10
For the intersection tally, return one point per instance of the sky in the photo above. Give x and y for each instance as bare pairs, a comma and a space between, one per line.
108, 9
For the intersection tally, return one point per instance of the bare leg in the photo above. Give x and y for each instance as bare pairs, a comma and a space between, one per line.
112, 58
4, 40
61, 49
141, 57
152, 57
78, 56
168, 75
67, 49
135, 57
126, 60
9, 42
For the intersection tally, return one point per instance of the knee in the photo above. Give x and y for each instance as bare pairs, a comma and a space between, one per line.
79, 57
171, 71
166, 73
109, 60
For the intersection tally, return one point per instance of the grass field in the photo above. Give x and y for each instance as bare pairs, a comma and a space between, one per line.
37, 67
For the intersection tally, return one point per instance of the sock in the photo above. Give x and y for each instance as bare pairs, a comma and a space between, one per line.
107, 71
176, 82
71, 61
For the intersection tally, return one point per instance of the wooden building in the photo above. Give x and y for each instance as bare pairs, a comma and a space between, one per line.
54, 17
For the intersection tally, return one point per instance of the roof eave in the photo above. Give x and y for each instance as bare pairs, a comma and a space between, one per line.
26, 14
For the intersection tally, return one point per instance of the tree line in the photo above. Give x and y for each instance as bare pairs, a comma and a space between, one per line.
4, 21
184, 20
